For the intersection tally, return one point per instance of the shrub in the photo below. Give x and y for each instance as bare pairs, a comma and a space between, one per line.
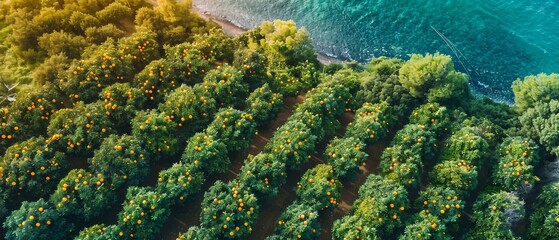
207, 153
263, 174
345, 155
264, 104
319, 186
299, 221
31, 168
36, 220
121, 159
83, 195
228, 211
494, 214
234, 127
157, 132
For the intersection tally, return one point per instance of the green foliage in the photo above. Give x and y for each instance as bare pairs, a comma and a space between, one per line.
121, 159
234, 127
433, 117
442, 202
83, 195
100, 67
31, 168
141, 47
226, 85
517, 159
283, 42
369, 124
49, 70
157, 132
299, 221
179, 181
378, 211
254, 66
56, 43
215, 45
319, 186
380, 83
426, 226
122, 102
458, 174
99, 231
145, 212
534, 89
228, 211
264, 104
98, 35
189, 108
543, 223
540, 121
80, 130
433, 77
114, 13
411, 148
29, 115
293, 143
207, 152
494, 214
36, 220
345, 155
263, 174
466, 145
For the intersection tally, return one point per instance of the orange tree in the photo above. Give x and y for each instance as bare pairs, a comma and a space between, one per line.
184, 64
264, 174
264, 104
370, 124
434, 117
234, 127
515, 170
544, 222
319, 188
83, 195
31, 168
457, 174
299, 221
228, 211
36, 220
100, 66
191, 109
467, 144
80, 130
215, 45
179, 181
381, 205
207, 153
226, 85
144, 211
494, 214
345, 155
121, 159
426, 226
141, 48
410, 148
29, 115
441, 202
122, 102
253, 64
293, 143
157, 132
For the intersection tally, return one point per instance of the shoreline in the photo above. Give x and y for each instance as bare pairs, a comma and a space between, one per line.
233, 30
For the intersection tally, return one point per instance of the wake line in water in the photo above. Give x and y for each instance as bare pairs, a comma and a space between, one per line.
458, 55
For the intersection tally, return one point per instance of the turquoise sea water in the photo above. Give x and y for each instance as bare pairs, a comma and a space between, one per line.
496, 41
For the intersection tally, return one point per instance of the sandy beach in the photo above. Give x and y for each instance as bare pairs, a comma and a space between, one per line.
234, 30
